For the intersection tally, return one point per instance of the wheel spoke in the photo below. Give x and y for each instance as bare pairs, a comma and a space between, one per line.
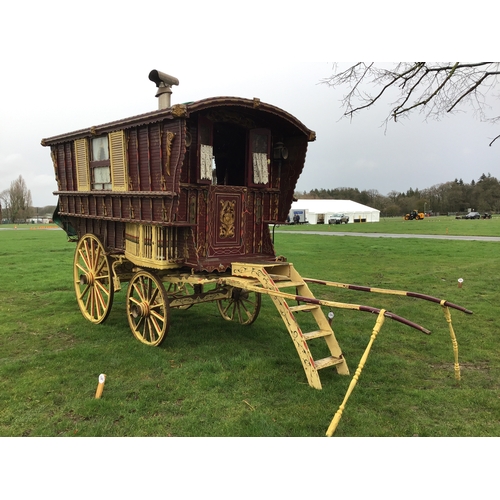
157, 327
95, 264
157, 315
153, 296
139, 289
98, 301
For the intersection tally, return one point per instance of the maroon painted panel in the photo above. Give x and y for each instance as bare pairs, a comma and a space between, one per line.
70, 167
225, 222
155, 163
144, 159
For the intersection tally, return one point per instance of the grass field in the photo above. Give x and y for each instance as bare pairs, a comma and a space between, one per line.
214, 378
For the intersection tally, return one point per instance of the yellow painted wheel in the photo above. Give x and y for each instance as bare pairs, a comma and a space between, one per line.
147, 308
92, 278
243, 306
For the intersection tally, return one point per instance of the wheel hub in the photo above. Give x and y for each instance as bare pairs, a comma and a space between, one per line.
87, 279
140, 310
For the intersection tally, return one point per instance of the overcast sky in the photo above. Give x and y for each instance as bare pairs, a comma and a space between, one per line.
68, 66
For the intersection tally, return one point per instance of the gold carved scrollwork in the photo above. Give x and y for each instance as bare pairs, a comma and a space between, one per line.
227, 217
170, 140
179, 110
54, 161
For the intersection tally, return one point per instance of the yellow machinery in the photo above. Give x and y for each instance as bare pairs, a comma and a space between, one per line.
414, 215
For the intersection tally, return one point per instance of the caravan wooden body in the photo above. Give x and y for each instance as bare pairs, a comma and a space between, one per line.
194, 185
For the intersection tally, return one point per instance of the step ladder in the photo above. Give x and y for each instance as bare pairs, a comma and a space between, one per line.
285, 286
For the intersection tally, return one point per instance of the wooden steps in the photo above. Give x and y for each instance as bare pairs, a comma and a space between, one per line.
276, 278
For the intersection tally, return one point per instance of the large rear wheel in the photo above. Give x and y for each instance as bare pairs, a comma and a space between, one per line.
147, 308
92, 278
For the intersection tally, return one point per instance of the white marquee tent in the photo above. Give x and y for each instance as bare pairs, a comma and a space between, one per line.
318, 211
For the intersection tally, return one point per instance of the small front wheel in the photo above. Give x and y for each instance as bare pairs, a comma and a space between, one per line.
147, 308
243, 306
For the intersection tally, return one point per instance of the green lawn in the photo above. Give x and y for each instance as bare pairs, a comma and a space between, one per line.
214, 378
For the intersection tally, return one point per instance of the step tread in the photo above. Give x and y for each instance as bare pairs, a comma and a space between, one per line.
317, 334
326, 362
279, 277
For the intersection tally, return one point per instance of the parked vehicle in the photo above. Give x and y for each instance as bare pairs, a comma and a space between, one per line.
338, 219
299, 217
472, 215
414, 215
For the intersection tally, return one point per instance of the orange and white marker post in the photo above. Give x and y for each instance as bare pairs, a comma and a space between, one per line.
100, 385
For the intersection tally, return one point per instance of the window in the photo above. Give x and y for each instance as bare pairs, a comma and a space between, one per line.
206, 154
100, 164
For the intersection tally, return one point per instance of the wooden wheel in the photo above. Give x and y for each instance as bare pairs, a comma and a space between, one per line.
93, 280
147, 308
178, 291
243, 306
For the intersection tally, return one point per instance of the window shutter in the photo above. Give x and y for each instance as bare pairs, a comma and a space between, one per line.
118, 158
82, 165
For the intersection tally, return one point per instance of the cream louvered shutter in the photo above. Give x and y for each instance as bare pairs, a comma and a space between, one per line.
82, 165
118, 157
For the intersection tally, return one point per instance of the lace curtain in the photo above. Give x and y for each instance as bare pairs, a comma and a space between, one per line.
206, 162
260, 171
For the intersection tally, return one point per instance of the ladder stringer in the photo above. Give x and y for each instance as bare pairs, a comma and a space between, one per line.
279, 276
324, 325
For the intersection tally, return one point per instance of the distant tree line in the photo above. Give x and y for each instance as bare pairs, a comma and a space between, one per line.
16, 201
455, 196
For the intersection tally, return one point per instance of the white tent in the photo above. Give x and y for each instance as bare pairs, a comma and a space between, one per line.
318, 211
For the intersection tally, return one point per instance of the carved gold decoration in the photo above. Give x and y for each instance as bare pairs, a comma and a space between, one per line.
54, 162
179, 110
227, 217
170, 140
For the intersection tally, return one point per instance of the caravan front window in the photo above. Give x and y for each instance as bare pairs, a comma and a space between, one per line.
99, 164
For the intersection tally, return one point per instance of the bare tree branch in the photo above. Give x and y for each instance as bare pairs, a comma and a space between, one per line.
434, 88
494, 140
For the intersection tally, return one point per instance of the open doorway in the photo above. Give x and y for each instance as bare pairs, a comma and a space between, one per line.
230, 142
